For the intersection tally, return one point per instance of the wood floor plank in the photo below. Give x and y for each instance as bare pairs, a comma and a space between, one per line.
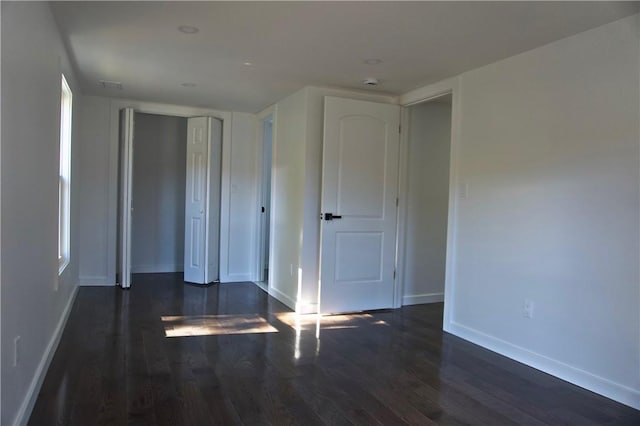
168, 353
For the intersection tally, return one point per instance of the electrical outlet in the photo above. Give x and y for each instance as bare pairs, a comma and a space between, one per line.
527, 308
16, 351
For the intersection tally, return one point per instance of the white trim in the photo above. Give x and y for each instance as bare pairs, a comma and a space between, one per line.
96, 280
41, 371
428, 92
306, 308
225, 200
64, 179
418, 299
272, 204
126, 196
592, 382
236, 278
257, 240
151, 268
63, 262
401, 224
262, 285
299, 308
452, 218
282, 298
584, 379
178, 111
423, 94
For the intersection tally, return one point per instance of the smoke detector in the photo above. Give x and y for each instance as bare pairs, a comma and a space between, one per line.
370, 81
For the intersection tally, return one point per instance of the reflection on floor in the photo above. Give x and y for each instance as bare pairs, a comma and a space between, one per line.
166, 353
211, 325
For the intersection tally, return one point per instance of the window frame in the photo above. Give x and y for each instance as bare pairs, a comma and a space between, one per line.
64, 178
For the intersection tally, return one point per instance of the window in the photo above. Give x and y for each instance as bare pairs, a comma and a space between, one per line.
64, 183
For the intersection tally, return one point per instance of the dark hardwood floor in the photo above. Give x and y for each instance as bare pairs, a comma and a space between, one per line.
166, 353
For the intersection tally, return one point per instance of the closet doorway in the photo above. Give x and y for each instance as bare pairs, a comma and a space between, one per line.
169, 196
158, 194
426, 206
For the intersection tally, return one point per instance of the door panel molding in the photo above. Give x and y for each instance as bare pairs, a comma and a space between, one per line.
359, 190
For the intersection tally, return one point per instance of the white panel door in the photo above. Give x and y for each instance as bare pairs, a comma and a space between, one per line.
359, 211
195, 230
125, 201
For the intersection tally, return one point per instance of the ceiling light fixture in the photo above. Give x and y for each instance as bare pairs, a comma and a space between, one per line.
188, 85
370, 81
188, 29
249, 64
372, 61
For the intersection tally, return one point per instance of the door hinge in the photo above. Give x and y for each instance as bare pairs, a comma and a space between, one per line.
400, 129
394, 274
397, 202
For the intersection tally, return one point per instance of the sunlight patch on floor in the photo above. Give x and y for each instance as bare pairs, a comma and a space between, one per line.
327, 322
212, 325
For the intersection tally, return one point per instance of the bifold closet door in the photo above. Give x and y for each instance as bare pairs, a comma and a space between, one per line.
202, 200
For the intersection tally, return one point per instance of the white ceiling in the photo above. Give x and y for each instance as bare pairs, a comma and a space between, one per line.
304, 43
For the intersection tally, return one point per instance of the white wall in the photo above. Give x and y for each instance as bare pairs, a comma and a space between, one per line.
242, 205
98, 191
287, 200
296, 188
93, 168
35, 300
549, 147
429, 143
159, 180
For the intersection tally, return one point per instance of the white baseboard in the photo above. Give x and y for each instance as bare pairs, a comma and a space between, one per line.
418, 299
262, 285
235, 278
24, 412
157, 269
283, 298
306, 308
584, 379
95, 281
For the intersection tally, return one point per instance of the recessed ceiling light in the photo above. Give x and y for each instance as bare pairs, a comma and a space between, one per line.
371, 81
188, 85
372, 61
249, 64
188, 29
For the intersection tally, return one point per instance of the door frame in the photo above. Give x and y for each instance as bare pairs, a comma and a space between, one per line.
173, 110
126, 131
449, 86
262, 116
392, 255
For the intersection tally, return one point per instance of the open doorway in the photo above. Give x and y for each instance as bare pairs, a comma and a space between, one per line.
427, 174
264, 201
158, 194
169, 196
